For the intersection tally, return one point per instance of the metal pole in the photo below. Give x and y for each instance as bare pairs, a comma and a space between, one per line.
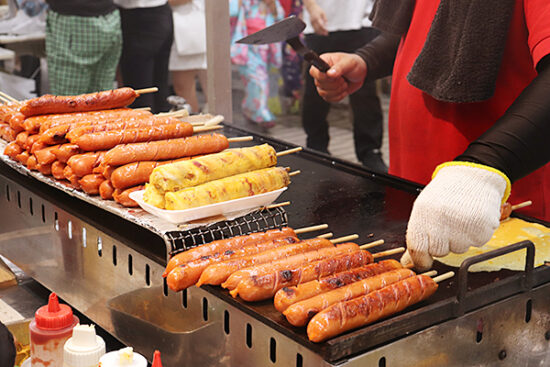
218, 57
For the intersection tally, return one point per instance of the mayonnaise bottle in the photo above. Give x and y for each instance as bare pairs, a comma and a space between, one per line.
123, 358
84, 348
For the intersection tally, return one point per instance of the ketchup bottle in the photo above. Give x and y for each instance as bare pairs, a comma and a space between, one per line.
52, 326
156, 359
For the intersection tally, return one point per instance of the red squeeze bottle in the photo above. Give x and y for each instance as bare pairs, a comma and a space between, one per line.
156, 359
51, 327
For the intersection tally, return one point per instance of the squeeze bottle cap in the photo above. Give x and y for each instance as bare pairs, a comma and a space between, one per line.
84, 348
54, 316
123, 357
156, 359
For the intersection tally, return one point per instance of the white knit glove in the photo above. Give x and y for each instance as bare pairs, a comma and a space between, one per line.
459, 208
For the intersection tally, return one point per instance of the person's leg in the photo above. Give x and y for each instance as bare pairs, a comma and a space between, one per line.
365, 104
256, 79
314, 108
184, 86
68, 54
143, 38
160, 73
104, 71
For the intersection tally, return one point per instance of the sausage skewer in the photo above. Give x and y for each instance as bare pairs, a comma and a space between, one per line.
506, 209
264, 283
360, 311
219, 273
301, 312
8, 98
234, 243
288, 296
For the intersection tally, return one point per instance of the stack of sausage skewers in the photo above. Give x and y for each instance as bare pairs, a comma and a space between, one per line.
305, 277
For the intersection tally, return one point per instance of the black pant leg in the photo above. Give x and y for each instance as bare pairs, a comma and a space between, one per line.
147, 34
365, 104
314, 108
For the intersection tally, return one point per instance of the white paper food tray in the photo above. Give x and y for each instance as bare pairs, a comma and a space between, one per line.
223, 208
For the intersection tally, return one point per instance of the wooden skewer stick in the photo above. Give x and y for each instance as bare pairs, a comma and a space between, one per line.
522, 205
201, 129
325, 235
288, 151
278, 205
393, 251
3, 100
8, 97
142, 109
443, 277
147, 90
351, 237
218, 119
371, 244
297, 172
311, 229
431, 273
240, 139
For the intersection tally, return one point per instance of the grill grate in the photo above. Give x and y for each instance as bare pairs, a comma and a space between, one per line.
259, 220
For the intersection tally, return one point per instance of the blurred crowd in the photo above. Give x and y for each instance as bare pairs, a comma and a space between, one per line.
162, 43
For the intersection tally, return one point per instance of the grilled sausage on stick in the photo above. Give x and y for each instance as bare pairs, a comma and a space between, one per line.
285, 262
287, 296
85, 102
360, 311
233, 243
123, 196
264, 285
166, 149
301, 312
218, 273
188, 274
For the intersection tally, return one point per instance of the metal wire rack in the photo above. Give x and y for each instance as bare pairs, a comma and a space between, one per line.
259, 220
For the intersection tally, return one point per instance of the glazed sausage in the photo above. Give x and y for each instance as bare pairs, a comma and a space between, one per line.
32, 163
7, 133
301, 312
84, 164
30, 141
12, 150
166, 149
139, 121
188, 274
42, 123
218, 273
16, 121
283, 264
65, 151
90, 183
21, 138
290, 295
257, 288
123, 196
232, 243
136, 173
106, 190
45, 169
23, 157
105, 100
505, 211
109, 139
360, 311
57, 170
46, 155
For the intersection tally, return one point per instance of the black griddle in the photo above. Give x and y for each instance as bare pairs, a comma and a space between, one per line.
350, 199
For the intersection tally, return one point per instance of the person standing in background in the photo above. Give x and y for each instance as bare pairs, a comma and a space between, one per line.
188, 55
291, 70
343, 26
83, 44
148, 32
247, 17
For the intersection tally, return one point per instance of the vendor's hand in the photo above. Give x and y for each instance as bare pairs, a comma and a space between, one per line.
459, 208
331, 86
318, 19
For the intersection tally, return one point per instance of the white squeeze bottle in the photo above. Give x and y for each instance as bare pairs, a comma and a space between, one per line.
84, 348
123, 358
